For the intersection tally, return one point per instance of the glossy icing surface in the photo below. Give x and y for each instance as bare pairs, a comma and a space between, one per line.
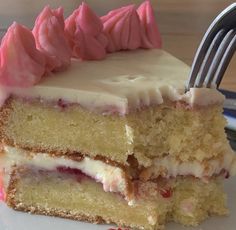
121, 82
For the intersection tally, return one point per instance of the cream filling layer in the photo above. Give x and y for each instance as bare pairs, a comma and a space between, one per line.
120, 83
171, 167
113, 178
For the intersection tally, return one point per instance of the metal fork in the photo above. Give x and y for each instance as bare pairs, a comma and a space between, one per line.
215, 51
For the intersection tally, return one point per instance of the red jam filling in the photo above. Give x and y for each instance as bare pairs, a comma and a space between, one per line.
166, 192
61, 104
76, 172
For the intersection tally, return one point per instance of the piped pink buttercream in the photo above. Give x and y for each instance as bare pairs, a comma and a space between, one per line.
122, 28
21, 64
51, 40
84, 32
151, 37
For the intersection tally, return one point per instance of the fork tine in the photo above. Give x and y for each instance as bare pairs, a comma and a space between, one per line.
219, 54
225, 61
208, 58
196, 65
226, 19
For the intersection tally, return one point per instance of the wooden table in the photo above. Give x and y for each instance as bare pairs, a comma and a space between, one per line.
182, 24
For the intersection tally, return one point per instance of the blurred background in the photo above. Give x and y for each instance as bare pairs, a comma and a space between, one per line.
181, 22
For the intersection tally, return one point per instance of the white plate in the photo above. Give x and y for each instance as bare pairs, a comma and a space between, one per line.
12, 220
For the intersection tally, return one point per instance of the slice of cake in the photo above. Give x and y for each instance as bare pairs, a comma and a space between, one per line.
116, 140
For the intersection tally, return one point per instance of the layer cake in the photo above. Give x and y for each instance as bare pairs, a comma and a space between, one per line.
116, 140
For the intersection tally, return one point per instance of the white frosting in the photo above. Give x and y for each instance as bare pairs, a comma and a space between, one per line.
202, 96
123, 81
113, 178
170, 167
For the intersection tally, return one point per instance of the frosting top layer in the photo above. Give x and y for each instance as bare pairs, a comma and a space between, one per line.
120, 83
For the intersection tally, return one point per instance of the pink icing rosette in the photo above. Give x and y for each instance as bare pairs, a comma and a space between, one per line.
84, 32
21, 63
51, 40
151, 37
122, 28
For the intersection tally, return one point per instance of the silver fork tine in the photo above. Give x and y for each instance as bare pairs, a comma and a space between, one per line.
208, 58
226, 19
197, 62
219, 54
225, 61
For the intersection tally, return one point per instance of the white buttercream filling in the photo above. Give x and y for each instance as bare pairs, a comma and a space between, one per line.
122, 82
170, 167
113, 178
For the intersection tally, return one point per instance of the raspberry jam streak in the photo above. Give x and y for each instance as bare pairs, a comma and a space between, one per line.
76, 172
